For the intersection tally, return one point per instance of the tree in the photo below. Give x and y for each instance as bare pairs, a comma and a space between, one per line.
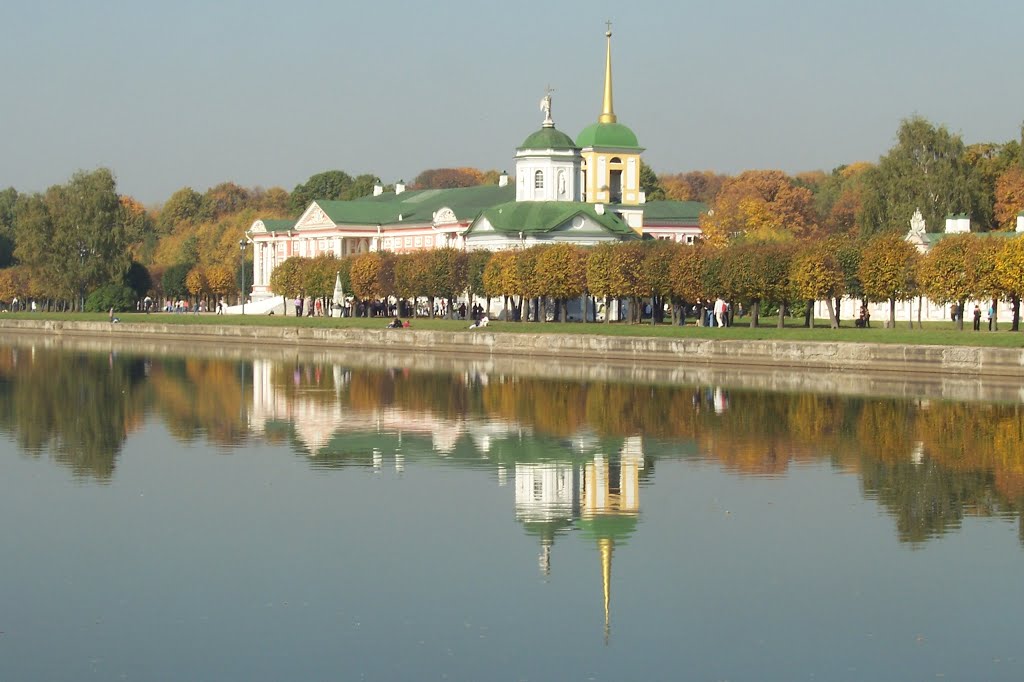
650, 184
888, 270
8, 200
445, 275
223, 199
138, 278
195, 282
925, 170
319, 276
173, 280
446, 178
762, 205
1009, 197
364, 274
327, 185
1009, 269
951, 272
362, 186
656, 274
816, 274
74, 237
183, 208
221, 280
689, 277
700, 186
286, 279
561, 274
273, 203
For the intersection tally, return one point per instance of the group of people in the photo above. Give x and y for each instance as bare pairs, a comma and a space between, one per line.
977, 316
716, 314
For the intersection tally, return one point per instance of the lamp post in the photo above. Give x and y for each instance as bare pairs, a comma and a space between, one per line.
242, 244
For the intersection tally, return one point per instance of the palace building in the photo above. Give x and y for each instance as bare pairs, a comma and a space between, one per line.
583, 191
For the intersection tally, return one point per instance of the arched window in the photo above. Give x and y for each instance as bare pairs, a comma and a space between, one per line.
538, 180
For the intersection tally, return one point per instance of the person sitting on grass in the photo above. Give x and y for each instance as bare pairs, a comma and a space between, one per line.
395, 324
482, 322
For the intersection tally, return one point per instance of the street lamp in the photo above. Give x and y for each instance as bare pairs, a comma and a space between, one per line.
241, 246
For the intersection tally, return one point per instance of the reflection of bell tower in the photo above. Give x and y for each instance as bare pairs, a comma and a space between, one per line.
547, 501
610, 503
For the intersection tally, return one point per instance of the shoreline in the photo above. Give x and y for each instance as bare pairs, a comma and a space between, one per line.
1004, 364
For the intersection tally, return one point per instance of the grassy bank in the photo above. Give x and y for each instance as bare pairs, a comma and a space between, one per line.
934, 333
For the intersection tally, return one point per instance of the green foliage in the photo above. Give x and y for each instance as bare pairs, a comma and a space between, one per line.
183, 208
287, 278
688, 275
475, 266
173, 280
328, 185
926, 170
138, 279
951, 271
117, 296
888, 270
650, 184
223, 199
73, 238
319, 276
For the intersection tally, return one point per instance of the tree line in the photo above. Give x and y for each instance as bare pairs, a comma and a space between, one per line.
82, 238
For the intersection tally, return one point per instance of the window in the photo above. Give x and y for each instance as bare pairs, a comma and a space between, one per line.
538, 180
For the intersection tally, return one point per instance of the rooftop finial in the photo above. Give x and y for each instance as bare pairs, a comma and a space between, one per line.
545, 106
607, 111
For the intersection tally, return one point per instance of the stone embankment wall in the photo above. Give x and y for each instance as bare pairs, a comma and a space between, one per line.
1006, 364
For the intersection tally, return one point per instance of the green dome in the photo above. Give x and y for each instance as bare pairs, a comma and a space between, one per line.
607, 135
548, 138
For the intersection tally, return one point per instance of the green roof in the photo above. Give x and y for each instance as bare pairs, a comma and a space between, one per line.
667, 212
416, 205
607, 135
538, 217
278, 225
548, 138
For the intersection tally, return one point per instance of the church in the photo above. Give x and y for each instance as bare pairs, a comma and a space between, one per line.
583, 191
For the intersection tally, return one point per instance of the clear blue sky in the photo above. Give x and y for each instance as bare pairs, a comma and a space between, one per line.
169, 94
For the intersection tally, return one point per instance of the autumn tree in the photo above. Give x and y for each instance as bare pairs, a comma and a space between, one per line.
445, 275
499, 276
286, 279
1009, 269
700, 186
1009, 197
8, 200
656, 274
364, 273
447, 178
223, 199
888, 270
816, 274
476, 264
951, 271
182, 209
925, 170
561, 274
688, 276
195, 282
761, 205
221, 280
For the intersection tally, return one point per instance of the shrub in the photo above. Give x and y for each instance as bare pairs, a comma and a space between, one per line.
116, 296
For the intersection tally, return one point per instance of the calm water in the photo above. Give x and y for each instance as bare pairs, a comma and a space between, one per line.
233, 515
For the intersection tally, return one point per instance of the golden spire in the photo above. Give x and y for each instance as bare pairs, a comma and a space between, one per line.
606, 546
607, 112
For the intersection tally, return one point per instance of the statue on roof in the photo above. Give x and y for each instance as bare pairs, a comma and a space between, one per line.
917, 225
545, 106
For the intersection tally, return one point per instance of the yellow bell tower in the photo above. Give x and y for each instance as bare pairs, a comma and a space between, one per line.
611, 157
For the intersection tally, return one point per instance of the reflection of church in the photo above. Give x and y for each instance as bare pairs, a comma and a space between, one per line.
590, 486
599, 497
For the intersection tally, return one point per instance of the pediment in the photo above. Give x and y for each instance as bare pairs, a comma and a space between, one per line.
314, 216
445, 216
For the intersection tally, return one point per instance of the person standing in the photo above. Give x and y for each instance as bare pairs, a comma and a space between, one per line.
977, 317
720, 311
991, 316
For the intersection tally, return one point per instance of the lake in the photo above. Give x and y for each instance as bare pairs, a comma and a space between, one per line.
214, 512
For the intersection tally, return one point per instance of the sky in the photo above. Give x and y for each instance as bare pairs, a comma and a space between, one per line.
194, 93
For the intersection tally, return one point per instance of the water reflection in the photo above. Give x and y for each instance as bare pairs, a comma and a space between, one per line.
578, 450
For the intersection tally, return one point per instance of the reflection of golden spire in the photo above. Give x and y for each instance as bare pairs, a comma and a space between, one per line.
606, 545
607, 112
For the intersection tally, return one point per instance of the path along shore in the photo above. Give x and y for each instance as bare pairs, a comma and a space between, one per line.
1001, 364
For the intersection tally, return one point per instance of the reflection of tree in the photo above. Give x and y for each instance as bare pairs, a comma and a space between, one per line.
78, 408
926, 499
202, 397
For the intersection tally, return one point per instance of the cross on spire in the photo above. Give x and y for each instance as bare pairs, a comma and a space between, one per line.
609, 25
